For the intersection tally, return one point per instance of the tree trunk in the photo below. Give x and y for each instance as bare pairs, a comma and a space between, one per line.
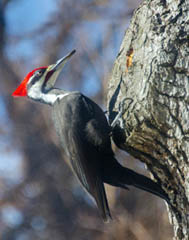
151, 79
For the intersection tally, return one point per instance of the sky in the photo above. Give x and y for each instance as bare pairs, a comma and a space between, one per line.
22, 17
19, 15
26, 16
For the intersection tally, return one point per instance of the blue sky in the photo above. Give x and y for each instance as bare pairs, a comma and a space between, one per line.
24, 16
28, 15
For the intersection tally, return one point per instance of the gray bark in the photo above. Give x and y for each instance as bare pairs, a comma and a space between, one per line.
151, 78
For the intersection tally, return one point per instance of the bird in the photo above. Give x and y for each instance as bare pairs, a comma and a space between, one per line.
85, 136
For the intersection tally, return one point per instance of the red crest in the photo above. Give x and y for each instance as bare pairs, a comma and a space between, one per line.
21, 90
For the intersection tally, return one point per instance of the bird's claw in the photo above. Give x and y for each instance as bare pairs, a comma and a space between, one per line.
118, 120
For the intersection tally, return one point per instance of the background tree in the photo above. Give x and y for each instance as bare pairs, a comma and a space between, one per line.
39, 196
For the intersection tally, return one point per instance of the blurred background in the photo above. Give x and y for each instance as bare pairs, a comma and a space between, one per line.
39, 197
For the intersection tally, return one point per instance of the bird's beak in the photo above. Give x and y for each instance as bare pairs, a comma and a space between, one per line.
54, 70
61, 62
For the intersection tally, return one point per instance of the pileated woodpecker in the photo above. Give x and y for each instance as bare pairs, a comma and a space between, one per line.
84, 134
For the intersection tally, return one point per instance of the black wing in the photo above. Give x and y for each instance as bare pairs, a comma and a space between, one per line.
75, 121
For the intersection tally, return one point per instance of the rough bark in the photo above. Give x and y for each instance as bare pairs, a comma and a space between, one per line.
150, 78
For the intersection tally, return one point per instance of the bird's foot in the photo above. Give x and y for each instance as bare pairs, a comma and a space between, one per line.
118, 120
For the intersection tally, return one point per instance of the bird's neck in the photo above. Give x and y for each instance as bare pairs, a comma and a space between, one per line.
49, 97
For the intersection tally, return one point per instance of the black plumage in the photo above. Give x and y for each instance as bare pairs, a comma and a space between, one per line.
84, 134
85, 137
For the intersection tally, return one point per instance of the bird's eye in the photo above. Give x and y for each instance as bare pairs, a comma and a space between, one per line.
39, 73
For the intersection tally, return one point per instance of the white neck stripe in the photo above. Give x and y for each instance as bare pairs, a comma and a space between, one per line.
49, 98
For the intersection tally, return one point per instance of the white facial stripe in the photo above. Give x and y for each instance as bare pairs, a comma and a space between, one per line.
48, 98
39, 91
34, 88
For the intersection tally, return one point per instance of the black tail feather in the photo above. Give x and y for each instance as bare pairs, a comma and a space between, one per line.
119, 176
100, 196
146, 184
